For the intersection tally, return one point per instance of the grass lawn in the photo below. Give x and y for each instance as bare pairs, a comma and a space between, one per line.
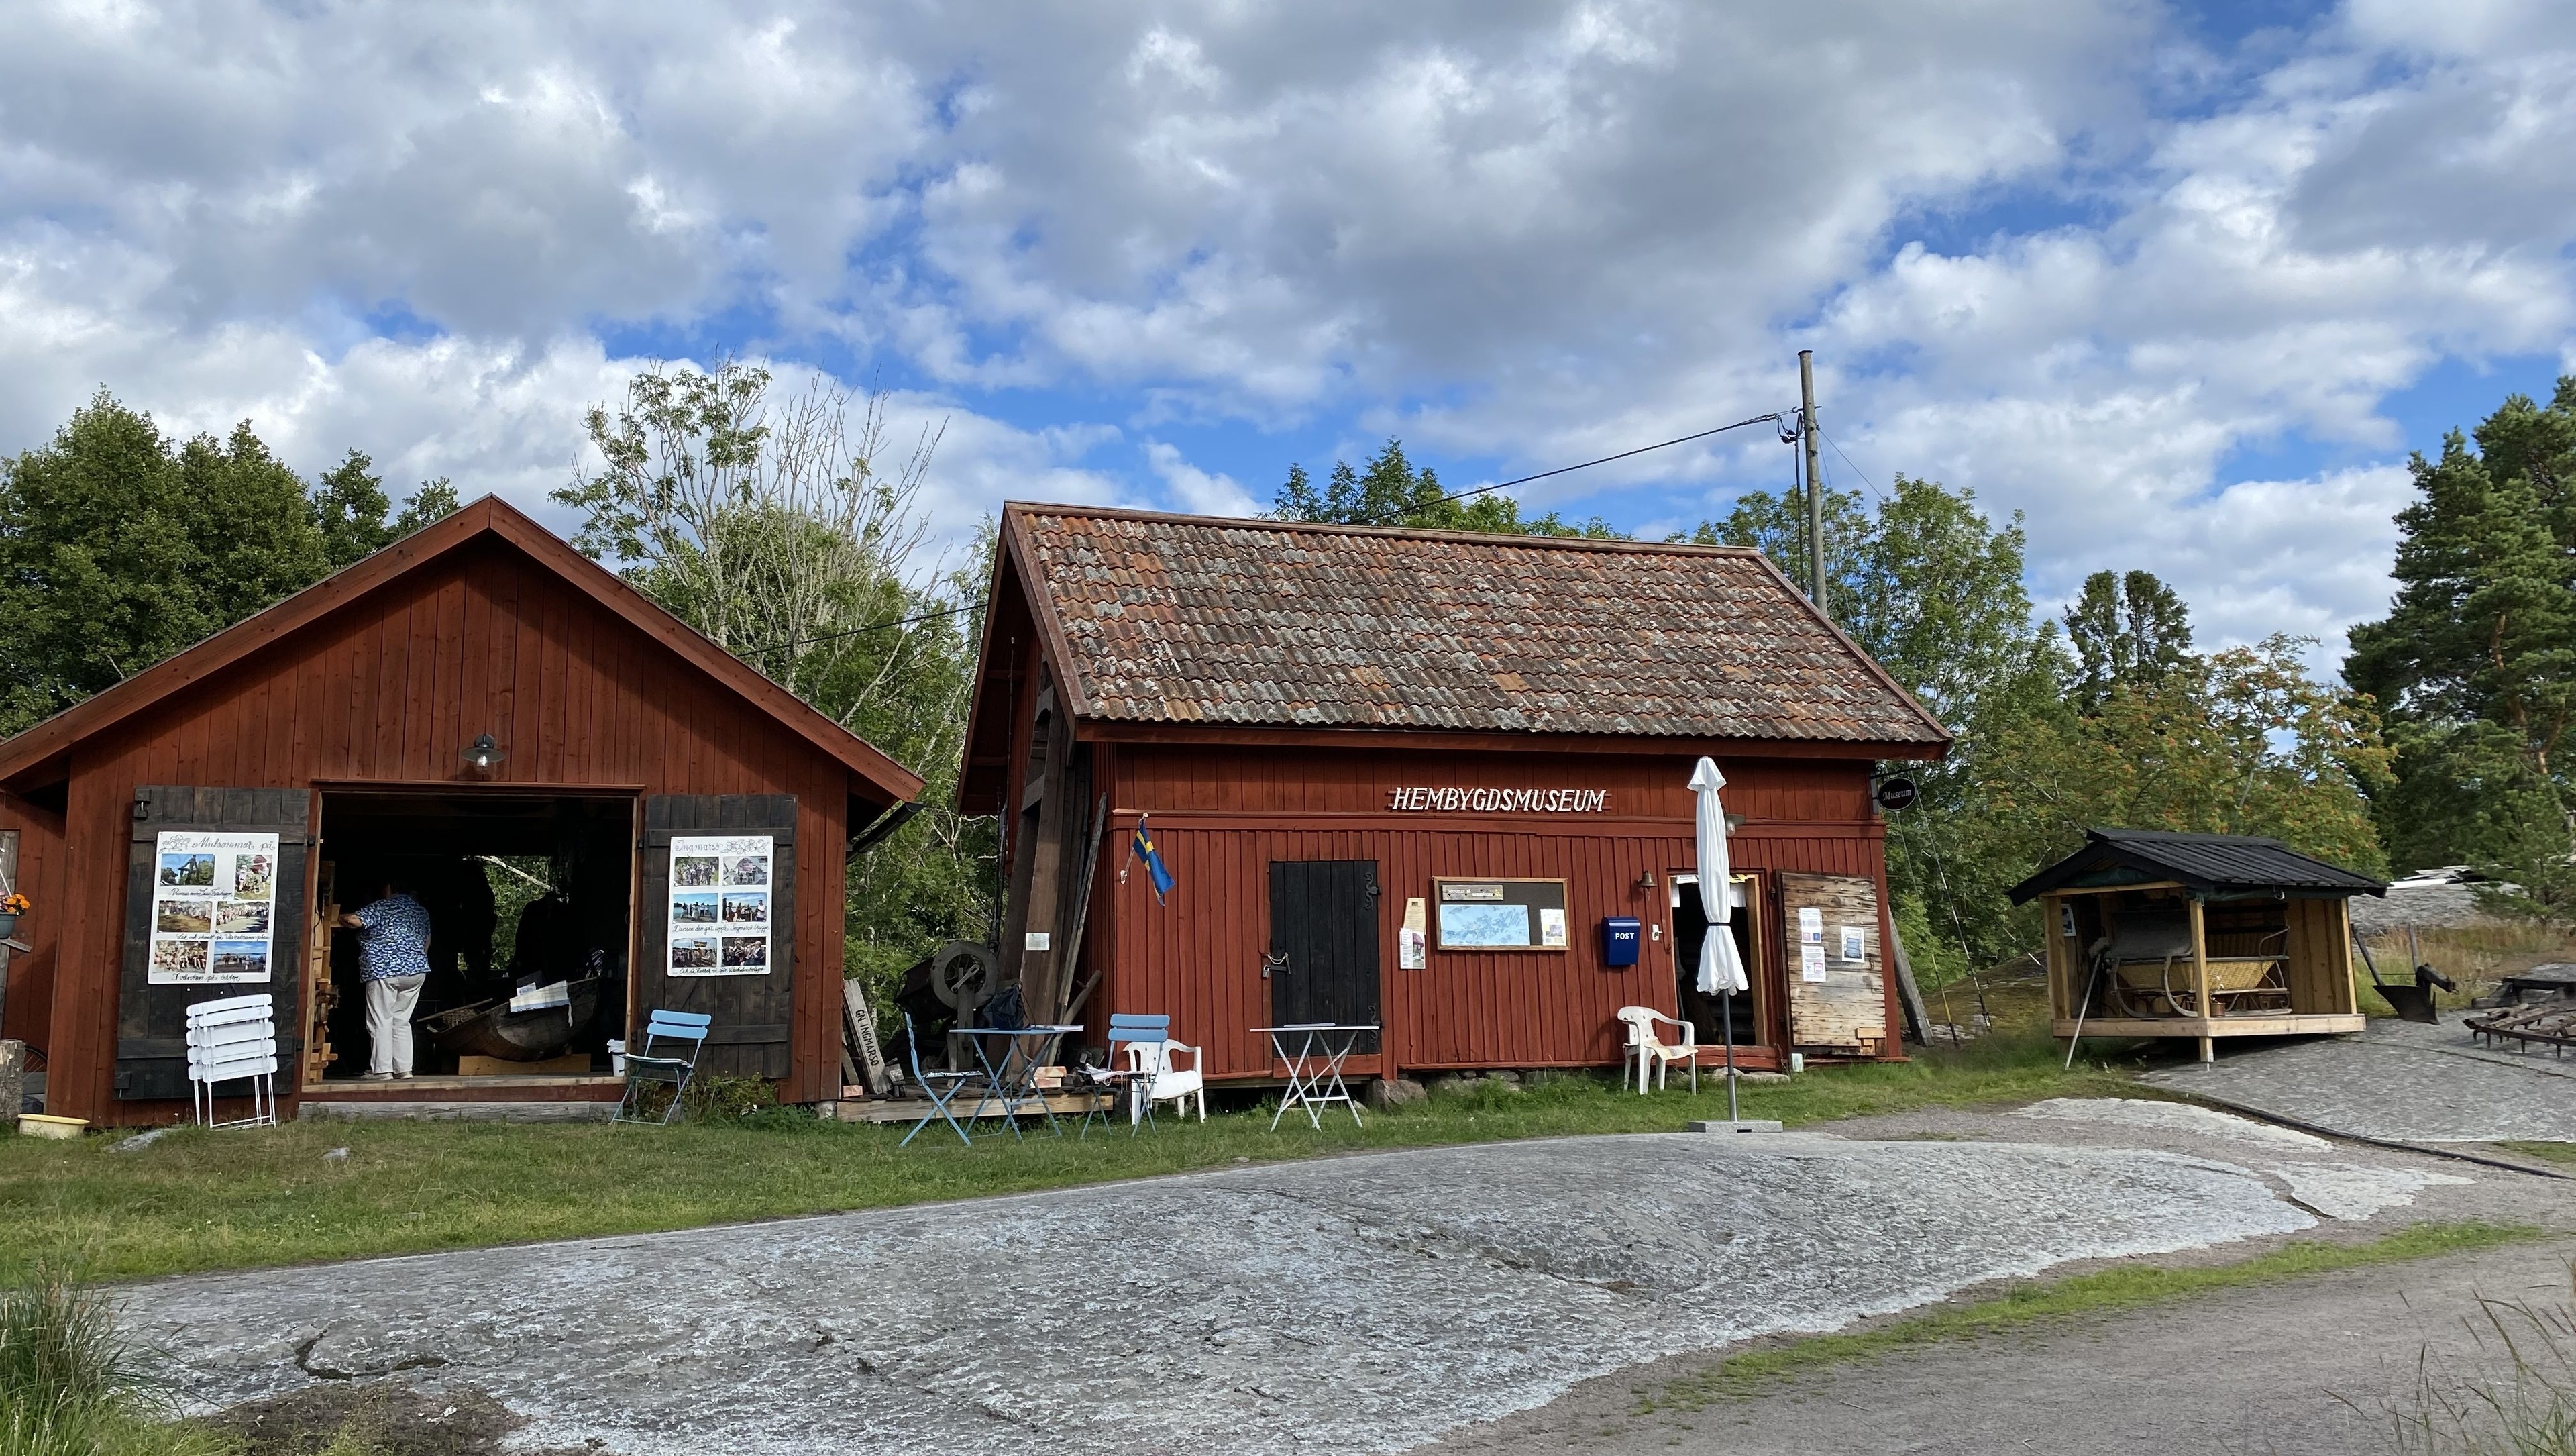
238, 1199
2051, 1300
2546, 1152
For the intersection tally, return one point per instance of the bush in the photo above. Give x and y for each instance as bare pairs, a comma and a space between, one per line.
70, 1385
712, 1097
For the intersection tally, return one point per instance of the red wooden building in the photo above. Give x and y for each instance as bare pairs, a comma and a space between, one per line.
1405, 777
302, 756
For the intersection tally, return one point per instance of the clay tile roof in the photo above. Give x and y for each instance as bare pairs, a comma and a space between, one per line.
1189, 619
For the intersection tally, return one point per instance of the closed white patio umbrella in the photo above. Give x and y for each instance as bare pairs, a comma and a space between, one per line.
1721, 970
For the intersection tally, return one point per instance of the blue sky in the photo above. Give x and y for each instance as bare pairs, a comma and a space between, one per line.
2181, 283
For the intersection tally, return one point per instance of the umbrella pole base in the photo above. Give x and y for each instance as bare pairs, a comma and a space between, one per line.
1755, 1124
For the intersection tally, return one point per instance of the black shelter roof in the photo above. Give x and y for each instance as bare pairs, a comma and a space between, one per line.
2205, 864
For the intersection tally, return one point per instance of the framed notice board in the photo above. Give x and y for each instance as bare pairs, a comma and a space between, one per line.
1500, 914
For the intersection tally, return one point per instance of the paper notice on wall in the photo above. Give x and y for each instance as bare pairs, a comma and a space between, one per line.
1551, 928
214, 908
1854, 948
1811, 925
1811, 963
720, 889
1412, 939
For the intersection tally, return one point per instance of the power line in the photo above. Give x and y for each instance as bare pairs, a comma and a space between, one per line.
1773, 417
1855, 466
883, 626
1399, 515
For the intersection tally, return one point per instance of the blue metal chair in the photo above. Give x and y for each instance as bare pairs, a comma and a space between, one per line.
930, 1084
646, 1068
1125, 1030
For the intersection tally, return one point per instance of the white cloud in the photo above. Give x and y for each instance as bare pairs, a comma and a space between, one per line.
2055, 251
1198, 490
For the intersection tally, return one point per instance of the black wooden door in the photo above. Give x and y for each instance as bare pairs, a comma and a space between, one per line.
755, 1012
1324, 942
152, 1020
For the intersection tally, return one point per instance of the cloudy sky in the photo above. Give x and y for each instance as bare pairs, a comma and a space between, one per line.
2183, 283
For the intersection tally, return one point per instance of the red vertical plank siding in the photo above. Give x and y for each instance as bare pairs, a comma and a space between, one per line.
1221, 816
391, 687
41, 878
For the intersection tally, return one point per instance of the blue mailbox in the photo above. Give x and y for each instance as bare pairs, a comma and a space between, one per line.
1619, 937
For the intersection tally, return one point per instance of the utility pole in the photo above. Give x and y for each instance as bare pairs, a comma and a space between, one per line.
1815, 492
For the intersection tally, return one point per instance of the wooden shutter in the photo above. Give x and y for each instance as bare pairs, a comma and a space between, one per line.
754, 1015
152, 1021
1845, 1013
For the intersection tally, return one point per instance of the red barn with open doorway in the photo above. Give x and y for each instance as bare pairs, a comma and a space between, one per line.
333, 735
1340, 735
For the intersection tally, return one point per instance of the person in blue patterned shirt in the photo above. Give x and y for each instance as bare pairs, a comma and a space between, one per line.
393, 961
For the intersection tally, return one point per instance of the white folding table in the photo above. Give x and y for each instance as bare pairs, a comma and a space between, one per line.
1315, 1066
229, 1040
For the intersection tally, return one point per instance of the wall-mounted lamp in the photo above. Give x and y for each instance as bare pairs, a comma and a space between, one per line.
1734, 822
484, 752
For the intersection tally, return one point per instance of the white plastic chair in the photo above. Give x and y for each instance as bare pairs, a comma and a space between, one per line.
1647, 1047
1176, 1085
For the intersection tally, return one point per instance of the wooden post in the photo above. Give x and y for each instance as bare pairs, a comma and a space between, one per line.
1815, 487
2061, 1001
8, 886
2200, 976
2339, 959
1917, 1019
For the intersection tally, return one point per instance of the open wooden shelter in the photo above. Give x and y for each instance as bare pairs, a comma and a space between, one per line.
2153, 933
479, 691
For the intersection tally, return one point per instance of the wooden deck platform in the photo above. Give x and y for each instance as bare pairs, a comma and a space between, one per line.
2207, 1029
911, 1109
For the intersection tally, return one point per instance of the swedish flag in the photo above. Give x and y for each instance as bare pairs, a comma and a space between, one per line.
1142, 847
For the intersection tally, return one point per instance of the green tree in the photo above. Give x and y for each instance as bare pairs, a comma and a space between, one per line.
1389, 490
2251, 744
349, 505
120, 546
785, 530
2126, 630
1932, 589
118, 549
2475, 664
2244, 741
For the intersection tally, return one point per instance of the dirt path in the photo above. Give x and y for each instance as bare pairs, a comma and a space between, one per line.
2252, 1371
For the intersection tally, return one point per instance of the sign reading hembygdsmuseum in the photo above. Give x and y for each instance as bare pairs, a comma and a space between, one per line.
1424, 798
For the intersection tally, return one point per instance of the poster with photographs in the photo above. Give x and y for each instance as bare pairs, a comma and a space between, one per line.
214, 908
720, 904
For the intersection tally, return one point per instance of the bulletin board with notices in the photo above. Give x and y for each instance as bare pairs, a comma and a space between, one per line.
1837, 981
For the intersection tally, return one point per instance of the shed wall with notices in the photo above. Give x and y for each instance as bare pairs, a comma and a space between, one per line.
376, 681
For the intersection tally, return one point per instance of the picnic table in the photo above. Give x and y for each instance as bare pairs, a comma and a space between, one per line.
1314, 1052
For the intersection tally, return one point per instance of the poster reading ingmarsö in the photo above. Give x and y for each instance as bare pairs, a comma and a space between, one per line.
214, 908
720, 887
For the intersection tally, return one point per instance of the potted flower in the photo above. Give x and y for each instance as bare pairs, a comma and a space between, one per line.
12, 905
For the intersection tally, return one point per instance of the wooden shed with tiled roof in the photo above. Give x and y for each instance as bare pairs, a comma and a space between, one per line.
1413, 777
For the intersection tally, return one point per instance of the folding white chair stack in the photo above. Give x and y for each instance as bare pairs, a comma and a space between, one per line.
229, 1041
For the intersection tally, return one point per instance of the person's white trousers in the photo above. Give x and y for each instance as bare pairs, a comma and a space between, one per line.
389, 1007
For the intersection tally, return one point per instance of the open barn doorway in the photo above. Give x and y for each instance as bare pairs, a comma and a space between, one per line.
1690, 930
531, 902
